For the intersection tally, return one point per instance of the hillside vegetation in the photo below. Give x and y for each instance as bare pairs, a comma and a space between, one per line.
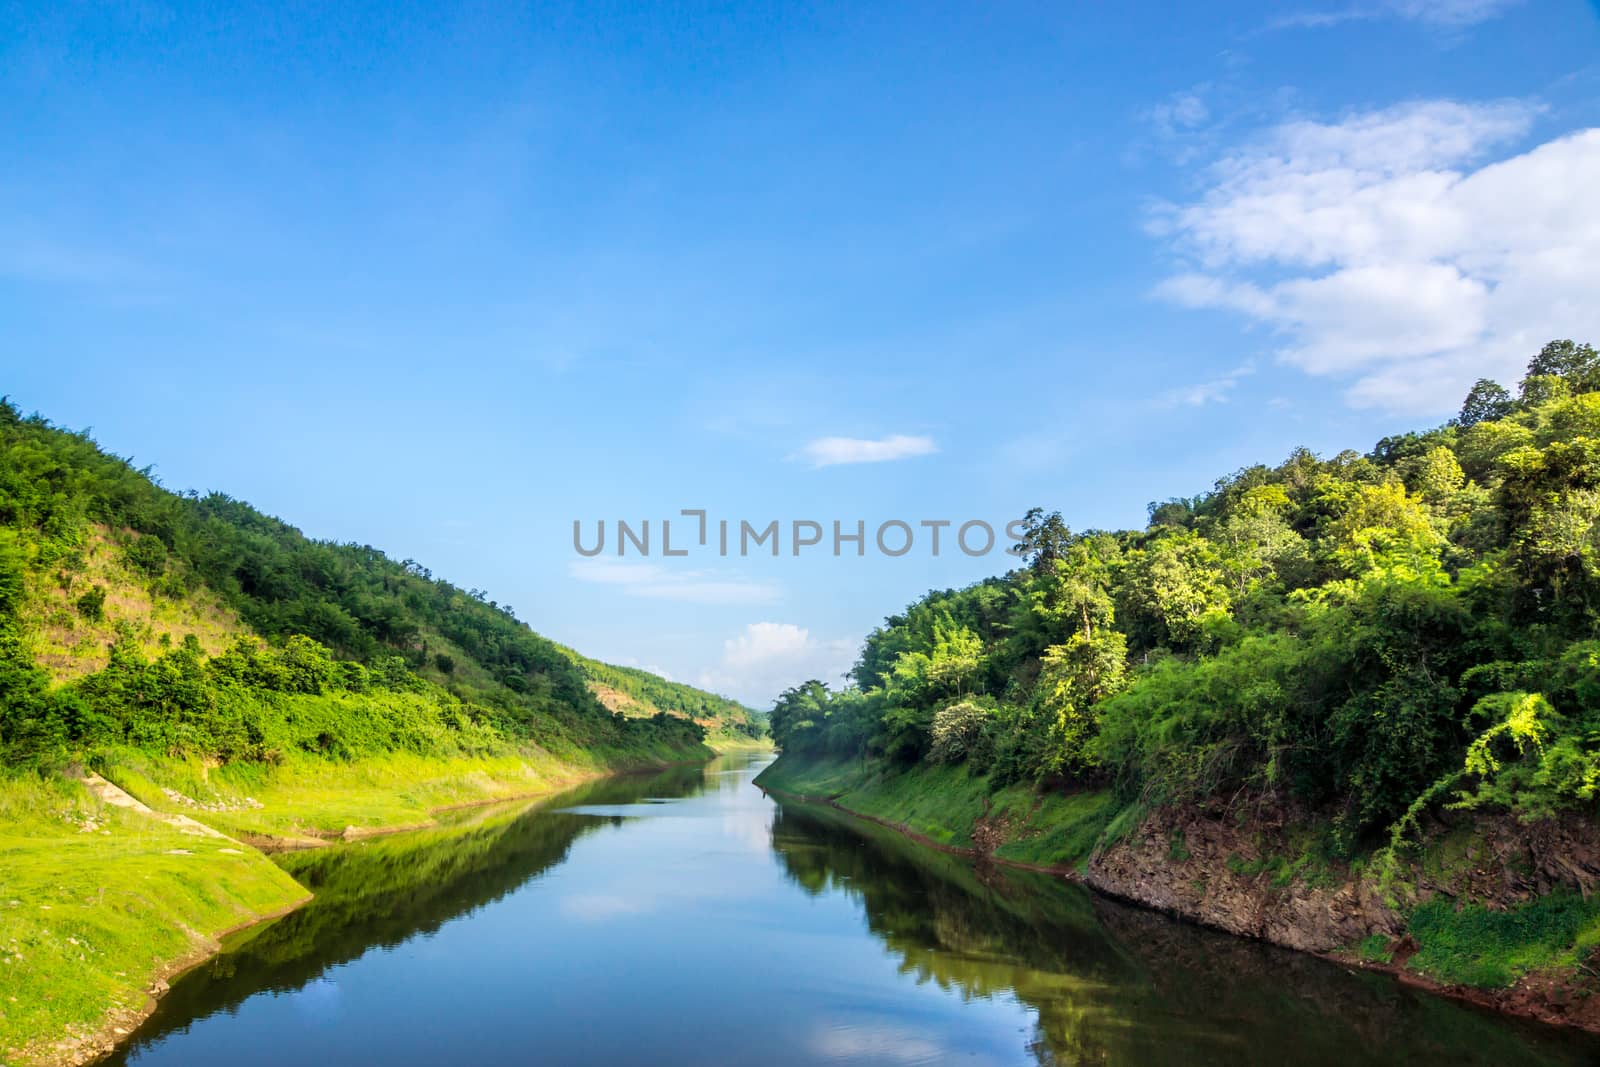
1369, 643
635, 693
215, 663
195, 625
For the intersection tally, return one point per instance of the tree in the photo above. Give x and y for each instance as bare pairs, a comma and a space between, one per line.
1382, 526
1073, 594
1256, 542
1578, 365
1486, 401
1179, 512
957, 653
1044, 539
958, 731
1074, 677
1171, 589
798, 714
1437, 476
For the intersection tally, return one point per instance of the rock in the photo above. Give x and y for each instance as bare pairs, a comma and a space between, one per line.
1221, 882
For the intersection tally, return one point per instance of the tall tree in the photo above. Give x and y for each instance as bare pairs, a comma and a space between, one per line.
1486, 400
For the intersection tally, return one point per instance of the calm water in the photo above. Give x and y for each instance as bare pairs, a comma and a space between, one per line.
683, 918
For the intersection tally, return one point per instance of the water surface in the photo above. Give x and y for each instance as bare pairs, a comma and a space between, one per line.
684, 918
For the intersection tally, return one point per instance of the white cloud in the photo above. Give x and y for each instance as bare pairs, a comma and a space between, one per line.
1215, 391
1380, 250
602, 907
768, 657
1441, 14
1181, 111
668, 583
1450, 12
828, 451
866, 1040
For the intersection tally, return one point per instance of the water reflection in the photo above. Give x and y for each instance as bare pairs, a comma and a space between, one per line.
383, 892
683, 918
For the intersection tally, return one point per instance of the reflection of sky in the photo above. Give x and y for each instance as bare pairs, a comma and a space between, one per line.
854, 1041
670, 935
317, 1002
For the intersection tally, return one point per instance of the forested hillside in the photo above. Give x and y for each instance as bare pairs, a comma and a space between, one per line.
195, 625
636, 692
1371, 637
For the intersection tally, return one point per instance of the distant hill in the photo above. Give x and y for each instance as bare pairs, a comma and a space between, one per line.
638, 693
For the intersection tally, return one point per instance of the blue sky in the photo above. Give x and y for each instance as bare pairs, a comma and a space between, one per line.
444, 280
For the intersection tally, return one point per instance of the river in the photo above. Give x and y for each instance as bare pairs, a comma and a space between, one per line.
684, 918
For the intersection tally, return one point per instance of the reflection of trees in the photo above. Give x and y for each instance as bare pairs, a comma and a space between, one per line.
384, 891
1117, 985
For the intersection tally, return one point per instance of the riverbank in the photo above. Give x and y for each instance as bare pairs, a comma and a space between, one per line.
305, 801
1490, 912
102, 903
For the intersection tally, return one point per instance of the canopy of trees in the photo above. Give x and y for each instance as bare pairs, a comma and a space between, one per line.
1366, 634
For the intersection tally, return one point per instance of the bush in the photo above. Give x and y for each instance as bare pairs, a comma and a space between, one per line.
960, 731
92, 604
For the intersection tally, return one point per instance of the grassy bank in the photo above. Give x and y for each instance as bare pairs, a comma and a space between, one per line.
954, 808
725, 743
97, 904
307, 797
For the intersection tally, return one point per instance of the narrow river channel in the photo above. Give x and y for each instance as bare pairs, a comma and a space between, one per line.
684, 918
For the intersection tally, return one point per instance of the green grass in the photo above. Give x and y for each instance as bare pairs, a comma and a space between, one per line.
95, 901
728, 742
1058, 829
307, 796
946, 804
1375, 948
1472, 945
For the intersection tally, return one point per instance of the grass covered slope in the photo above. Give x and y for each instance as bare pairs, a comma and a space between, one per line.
99, 903
952, 807
1295, 688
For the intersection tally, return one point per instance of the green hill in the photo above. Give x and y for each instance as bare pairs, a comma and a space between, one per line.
131, 615
638, 693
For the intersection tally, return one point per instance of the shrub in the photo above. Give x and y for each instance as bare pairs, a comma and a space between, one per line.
92, 604
960, 730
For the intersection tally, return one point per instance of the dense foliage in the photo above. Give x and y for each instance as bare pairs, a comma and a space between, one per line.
1366, 635
361, 653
